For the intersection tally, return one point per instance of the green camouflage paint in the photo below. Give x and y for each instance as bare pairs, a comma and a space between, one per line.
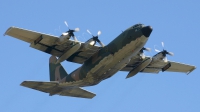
129, 35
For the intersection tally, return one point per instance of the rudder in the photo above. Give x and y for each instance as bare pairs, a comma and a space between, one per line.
56, 71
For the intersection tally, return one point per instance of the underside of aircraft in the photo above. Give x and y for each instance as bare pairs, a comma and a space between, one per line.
124, 53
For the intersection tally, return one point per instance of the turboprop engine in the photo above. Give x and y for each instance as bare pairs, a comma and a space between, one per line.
142, 52
66, 35
161, 55
154, 61
92, 41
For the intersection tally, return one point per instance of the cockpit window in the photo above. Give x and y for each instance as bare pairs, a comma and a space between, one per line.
137, 27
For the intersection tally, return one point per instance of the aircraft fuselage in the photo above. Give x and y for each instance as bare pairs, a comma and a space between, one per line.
113, 57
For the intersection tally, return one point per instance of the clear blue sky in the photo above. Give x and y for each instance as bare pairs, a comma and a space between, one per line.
177, 23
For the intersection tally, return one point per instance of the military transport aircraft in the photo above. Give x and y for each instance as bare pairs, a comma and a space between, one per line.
124, 53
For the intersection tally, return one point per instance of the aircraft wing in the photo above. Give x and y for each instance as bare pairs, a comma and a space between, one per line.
170, 66
53, 88
174, 67
46, 43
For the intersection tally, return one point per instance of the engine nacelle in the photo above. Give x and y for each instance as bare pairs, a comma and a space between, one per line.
63, 38
157, 58
88, 45
69, 52
157, 61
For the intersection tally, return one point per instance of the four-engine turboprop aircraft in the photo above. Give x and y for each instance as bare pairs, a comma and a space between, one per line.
124, 53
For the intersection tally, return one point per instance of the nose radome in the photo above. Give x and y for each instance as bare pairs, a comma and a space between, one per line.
146, 31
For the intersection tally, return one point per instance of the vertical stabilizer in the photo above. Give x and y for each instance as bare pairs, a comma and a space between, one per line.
56, 71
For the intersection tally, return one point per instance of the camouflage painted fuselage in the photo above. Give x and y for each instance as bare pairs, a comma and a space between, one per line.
113, 57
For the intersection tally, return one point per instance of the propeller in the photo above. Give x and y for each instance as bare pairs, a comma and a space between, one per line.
66, 24
142, 51
95, 38
71, 32
164, 52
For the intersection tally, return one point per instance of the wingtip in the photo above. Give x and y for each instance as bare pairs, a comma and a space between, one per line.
92, 96
191, 70
22, 84
7, 31
126, 77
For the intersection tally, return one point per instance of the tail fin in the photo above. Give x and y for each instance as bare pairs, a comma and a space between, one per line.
56, 71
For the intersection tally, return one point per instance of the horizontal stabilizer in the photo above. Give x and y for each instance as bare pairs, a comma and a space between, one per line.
46, 87
77, 92
54, 87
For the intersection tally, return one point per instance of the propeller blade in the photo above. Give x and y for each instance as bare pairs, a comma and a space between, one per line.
89, 32
95, 38
75, 39
66, 24
147, 49
99, 33
170, 53
162, 44
157, 50
102, 45
76, 29
165, 59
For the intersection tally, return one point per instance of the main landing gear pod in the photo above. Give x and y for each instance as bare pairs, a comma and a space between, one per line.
140, 67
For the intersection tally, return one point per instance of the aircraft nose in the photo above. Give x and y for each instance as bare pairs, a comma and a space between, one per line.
146, 31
